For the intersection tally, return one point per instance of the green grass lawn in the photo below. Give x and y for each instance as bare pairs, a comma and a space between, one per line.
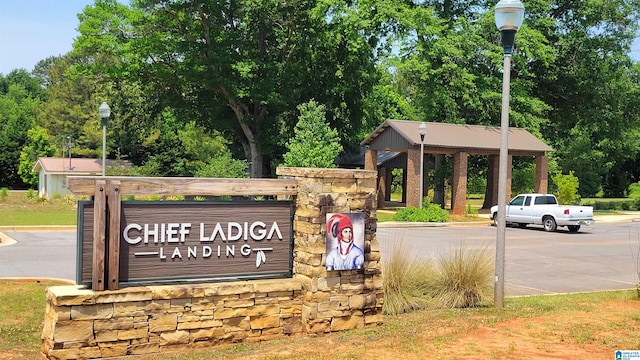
565, 320
18, 208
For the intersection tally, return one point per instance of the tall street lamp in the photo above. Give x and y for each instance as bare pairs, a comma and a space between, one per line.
104, 110
422, 130
509, 15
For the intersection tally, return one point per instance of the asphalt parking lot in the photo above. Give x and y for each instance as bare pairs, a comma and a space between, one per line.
600, 257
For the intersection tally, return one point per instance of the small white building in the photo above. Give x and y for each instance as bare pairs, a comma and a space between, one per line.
53, 172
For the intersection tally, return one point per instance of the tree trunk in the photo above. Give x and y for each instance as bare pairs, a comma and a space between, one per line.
253, 151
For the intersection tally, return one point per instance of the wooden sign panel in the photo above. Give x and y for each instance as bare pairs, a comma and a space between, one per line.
176, 241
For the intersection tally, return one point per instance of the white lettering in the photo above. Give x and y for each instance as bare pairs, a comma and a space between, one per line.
191, 252
276, 229
125, 234
202, 237
261, 231
231, 236
245, 250
206, 251
231, 250
184, 231
172, 229
176, 253
162, 255
218, 231
148, 233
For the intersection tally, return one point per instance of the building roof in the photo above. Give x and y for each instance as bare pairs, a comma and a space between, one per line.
443, 138
356, 160
66, 165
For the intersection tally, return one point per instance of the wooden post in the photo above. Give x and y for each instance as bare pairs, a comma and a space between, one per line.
113, 248
99, 234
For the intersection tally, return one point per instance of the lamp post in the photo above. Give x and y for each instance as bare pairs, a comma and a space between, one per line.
104, 110
509, 15
422, 130
69, 148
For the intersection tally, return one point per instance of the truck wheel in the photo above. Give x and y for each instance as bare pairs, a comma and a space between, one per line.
495, 219
573, 228
549, 223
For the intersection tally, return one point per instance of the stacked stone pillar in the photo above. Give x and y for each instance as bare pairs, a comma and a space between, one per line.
335, 300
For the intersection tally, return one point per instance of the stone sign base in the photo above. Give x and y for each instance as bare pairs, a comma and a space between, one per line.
85, 324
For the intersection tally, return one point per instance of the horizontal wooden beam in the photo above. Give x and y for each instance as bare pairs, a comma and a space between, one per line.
167, 186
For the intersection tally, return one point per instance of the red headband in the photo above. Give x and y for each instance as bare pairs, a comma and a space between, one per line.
337, 223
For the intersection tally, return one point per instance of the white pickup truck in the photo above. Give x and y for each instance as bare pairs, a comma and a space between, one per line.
543, 209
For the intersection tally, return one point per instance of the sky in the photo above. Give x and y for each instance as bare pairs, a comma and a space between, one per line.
33, 30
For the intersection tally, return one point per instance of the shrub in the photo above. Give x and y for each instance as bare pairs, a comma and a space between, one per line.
31, 194
471, 211
634, 190
175, 198
567, 188
463, 279
429, 213
69, 199
405, 282
4, 193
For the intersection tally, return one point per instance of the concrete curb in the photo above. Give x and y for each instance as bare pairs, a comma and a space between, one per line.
39, 280
38, 228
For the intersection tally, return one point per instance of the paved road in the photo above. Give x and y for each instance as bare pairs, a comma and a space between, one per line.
39, 254
600, 257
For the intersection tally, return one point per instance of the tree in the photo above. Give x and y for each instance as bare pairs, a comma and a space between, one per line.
16, 118
209, 155
239, 66
30, 83
595, 122
70, 109
315, 143
37, 145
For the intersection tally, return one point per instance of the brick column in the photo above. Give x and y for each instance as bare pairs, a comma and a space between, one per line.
491, 194
459, 188
413, 178
542, 174
382, 187
371, 159
509, 175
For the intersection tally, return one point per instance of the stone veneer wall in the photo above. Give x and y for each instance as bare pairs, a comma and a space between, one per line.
83, 324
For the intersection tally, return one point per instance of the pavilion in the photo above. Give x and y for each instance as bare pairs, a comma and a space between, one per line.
457, 140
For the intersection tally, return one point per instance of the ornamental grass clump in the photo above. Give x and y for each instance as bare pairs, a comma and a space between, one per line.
405, 281
463, 279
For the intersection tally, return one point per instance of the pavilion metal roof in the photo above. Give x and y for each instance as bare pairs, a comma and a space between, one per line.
444, 138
